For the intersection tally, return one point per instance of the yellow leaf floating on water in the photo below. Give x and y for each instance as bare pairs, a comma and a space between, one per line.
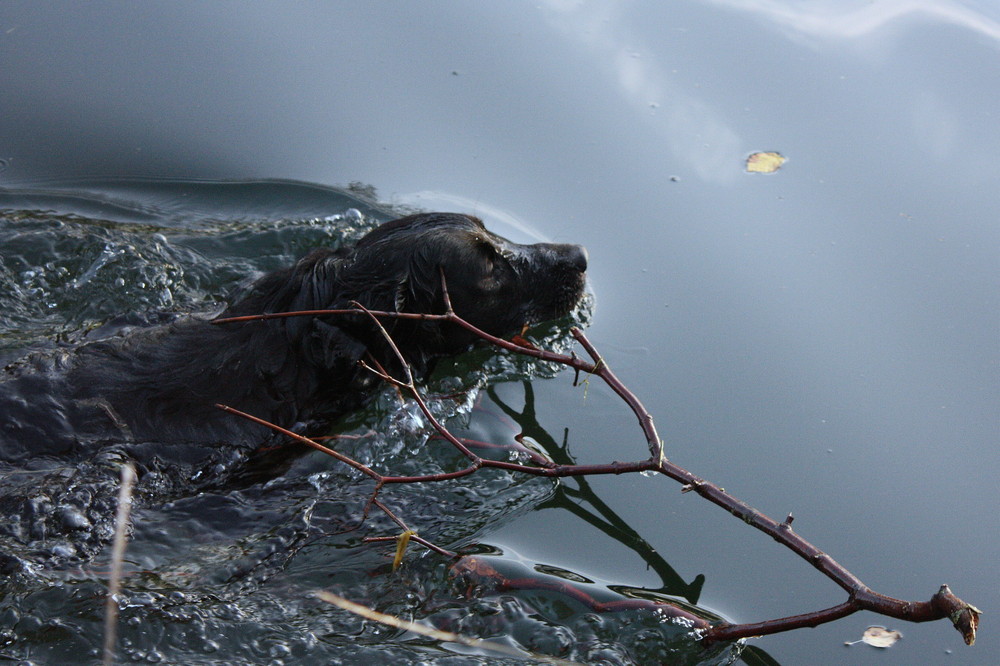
764, 162
879, 637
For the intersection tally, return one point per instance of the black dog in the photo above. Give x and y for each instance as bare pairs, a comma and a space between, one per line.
156, 389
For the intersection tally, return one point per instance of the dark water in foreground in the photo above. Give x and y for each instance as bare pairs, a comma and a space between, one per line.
227, 575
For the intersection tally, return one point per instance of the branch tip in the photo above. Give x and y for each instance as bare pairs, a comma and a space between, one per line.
964, 616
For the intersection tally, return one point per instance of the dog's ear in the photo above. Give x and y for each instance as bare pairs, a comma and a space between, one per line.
422, 288
402, 279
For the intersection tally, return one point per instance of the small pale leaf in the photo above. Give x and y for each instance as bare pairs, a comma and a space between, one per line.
764, 162
880, 637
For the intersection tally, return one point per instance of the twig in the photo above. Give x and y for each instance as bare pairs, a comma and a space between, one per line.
117, 556
299, 438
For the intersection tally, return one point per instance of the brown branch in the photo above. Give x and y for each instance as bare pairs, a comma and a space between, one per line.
305, 440
943, 604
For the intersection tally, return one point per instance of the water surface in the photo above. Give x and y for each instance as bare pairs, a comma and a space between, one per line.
822, 341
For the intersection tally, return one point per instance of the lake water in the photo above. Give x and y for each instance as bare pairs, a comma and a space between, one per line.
823, 340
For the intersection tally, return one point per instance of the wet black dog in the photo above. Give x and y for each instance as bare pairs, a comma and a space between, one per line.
156, 389
69, 419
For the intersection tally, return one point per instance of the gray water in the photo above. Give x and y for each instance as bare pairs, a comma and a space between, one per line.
823, 340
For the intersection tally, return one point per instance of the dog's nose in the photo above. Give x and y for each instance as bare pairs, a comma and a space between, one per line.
578, 257
575, 256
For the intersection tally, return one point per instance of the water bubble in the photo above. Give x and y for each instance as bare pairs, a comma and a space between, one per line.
279, 650
73, 519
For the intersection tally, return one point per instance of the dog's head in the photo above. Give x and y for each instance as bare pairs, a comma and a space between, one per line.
495, 284
403, 266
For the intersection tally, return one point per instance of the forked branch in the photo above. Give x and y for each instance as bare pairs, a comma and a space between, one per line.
943, 604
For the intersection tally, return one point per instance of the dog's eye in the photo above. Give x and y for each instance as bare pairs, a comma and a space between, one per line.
490, 267
489, 257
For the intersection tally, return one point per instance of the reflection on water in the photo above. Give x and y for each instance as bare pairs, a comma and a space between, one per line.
840, 19
694, 133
